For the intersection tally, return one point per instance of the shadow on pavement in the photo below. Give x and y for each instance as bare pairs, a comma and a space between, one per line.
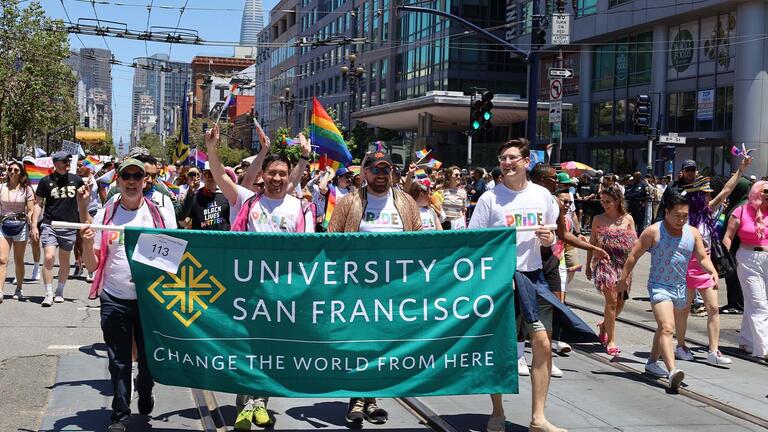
322, 414
478, 423
103, 386
92, 350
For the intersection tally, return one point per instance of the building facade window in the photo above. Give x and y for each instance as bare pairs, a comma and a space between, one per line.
586, 7
603, 67
724, 108
613, 3
602, 118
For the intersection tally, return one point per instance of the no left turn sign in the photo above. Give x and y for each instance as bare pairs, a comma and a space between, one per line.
555, 89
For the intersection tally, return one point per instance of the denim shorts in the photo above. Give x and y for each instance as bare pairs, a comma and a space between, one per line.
676, 295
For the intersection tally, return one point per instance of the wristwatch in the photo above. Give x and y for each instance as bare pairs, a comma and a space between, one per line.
304, 158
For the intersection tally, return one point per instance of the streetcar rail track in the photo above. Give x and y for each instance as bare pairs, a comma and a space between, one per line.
683, 391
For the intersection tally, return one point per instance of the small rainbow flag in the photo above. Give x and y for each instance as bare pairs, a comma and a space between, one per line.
421, 154
326, 136
172, 187
289, 142
314, 166
92, 162
36, 173
330, 205
325, 161
420, 174
433, 163
107, 178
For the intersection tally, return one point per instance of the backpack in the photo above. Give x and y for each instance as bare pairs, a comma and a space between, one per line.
240, 224
109, 214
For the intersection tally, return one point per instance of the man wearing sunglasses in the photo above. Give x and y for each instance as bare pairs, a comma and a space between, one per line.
376, 207
105, 253
686, 177
56, 200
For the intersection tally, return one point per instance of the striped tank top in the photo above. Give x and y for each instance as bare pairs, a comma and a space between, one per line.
670, 257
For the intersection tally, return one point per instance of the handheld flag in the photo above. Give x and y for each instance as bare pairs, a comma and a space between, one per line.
421, 154
172, 187
199, 158
379, 146
743, 151
326, 135
181, 152
432, 163
227, 101
107, 178
330, 204
420, 174
92, 162
39, 152
36, 173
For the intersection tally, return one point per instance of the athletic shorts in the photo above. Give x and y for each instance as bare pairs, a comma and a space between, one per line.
63, 238
676, 295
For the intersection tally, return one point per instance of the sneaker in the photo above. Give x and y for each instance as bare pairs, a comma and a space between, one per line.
560, 347
146, 404
117, 427
374, 414
47, 301
676, 378
716, 358
15, 279
18, 294
78, 271
656, 369
522, 367
496, 424
89, 278
683, 353
243, 420
698, 310
261, 416
355, 412
556, 371
58, 299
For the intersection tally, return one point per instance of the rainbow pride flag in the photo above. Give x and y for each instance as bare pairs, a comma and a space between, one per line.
172, 187
433, 163
326, 136
420, 174
107, 178
421, 154
325, 161
36, 173
330, 205
92, 162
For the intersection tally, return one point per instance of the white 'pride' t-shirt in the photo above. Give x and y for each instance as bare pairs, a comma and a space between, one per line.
428, 219
381, 215
274, 215
503, 207
117, 272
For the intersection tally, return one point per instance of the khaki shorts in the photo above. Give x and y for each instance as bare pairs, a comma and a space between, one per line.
544, 323
571, 258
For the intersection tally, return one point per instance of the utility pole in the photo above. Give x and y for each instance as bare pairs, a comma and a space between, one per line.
533, 75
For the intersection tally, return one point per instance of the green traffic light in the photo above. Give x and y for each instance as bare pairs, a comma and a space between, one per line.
475, 124
487, 115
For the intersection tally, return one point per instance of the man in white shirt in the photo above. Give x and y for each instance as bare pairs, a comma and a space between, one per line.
518, 202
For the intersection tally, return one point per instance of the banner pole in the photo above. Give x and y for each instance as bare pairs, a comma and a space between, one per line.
72, 225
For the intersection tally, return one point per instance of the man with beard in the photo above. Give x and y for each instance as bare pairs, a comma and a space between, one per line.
377, 207
273, 210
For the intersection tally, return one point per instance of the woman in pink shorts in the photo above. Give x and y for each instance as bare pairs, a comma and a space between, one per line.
703, 213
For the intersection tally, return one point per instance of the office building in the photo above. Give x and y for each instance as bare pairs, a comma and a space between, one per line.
94, 91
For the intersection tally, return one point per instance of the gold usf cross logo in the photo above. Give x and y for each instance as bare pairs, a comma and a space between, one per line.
188, 292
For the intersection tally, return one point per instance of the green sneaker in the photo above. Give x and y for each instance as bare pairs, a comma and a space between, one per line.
261, 417
243, 421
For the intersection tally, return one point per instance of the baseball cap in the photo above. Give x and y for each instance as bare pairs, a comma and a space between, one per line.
341, 171
564, 178
376, 158
137, 152
689, 163
60, 156
131, 162
28, 159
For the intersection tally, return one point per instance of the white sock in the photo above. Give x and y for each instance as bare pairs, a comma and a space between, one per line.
520, 350
49, 289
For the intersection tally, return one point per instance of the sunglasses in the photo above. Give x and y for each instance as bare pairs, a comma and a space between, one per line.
375, 170
689, 169
259, 184
132, 176
193, 174
567, 202
765, 191
14, 170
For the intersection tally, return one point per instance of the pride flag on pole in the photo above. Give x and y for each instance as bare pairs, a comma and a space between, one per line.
92, 162
36, 173
227, 101
326, 136
330, 205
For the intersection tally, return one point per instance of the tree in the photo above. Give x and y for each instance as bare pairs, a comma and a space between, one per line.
36, 89
152, 142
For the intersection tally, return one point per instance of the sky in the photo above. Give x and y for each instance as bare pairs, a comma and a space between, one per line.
219, 22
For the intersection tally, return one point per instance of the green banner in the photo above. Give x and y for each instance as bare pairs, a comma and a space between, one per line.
331, 315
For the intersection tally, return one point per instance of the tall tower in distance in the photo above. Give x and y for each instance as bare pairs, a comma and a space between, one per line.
253, 22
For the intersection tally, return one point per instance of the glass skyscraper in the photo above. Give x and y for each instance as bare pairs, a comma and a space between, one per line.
253, 22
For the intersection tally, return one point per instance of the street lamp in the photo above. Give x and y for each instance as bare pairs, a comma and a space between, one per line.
353, 73
287, 103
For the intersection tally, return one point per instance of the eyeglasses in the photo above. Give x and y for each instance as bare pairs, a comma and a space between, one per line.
375, 170
509, 158
193, 174
132, 176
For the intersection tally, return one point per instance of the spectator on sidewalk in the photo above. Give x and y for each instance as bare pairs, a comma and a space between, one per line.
16, 208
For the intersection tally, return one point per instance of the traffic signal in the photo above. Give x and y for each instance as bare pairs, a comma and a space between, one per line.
487, 106
642, 114
86, 121
538, 38
476, 115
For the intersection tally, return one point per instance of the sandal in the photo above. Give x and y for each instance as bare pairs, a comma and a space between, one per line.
601, 334
613, 351
374, 414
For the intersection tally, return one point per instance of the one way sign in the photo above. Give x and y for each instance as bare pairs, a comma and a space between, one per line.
560, 73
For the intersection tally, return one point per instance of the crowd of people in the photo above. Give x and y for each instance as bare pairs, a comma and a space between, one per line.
275, 194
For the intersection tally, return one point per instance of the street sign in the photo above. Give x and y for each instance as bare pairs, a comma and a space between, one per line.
556, 89
672, 138
555, 111
561, 30
560, 73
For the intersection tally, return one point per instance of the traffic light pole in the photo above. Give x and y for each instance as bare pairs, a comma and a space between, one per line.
533, 78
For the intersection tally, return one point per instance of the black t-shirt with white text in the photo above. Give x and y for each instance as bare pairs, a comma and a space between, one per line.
60, 194
208, 211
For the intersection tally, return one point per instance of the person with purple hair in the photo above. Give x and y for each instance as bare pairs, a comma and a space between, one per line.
704, 211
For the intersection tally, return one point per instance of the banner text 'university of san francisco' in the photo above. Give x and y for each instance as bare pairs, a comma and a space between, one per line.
333, 315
